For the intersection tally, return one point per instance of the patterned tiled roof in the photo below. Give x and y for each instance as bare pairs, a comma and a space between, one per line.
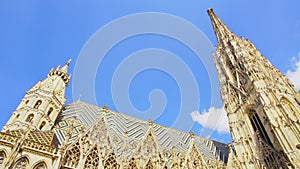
124, 129
41, 137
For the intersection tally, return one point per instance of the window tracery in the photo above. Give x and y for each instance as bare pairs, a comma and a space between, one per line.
92, 160
259, 127
73, 155
22, 163
111, 162
132, 164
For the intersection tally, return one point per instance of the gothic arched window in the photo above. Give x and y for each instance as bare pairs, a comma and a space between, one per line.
37, 104
149, 165
29, 118
40, 165
111, 162
22, 163
49, 111
73, 155
258, 126
2, 156
132, 164
92, 160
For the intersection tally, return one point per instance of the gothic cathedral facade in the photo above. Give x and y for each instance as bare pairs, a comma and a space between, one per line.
262, 106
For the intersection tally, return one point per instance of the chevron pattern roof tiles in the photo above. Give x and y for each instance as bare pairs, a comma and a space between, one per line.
126, 133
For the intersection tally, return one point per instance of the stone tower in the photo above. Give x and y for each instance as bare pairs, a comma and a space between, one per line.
262, 105
42, 104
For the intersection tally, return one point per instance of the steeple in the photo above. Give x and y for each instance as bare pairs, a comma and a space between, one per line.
42, 103
222, 32
262, 105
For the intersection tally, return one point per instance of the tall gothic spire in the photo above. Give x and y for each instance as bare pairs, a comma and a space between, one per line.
262, 105
221, 30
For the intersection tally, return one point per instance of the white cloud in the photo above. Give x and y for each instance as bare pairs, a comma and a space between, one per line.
294, 75
214, 118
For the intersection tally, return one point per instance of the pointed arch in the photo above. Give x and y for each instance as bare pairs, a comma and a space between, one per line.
233, 162
21, 163
149, 165
99, 132
40, 165
92, 160
73, 155
258, 126
195, 157
2, 156
149, 146
110, 162
290, 108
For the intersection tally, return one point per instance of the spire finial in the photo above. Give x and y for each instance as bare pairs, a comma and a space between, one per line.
66, 66
222, 32
68, 62
192, 134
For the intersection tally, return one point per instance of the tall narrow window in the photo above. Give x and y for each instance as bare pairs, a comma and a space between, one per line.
16, 117
29, 118
49, 111
42, 125
37, 104
2, 156
259, 127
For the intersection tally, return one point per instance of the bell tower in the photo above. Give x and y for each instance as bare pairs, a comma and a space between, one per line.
42, 104
262, 105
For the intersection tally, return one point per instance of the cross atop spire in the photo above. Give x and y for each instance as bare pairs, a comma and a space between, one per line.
222, 32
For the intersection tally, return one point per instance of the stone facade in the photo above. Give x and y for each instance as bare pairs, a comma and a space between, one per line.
261, 104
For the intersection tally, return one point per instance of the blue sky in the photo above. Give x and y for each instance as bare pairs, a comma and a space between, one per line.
39, 35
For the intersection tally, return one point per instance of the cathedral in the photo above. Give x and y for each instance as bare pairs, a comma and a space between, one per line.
262, 105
